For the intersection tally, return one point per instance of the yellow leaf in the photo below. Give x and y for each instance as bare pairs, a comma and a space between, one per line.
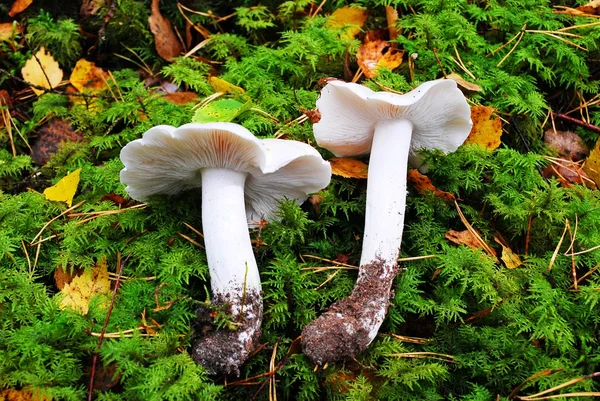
86, 75
378, 53
485, 132
45, 73
342, 17
65, 189
592, 165
78, 293
220, 85
510, 259
7, 29
348, 168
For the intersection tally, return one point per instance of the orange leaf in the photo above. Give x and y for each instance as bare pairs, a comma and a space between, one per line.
342, 17
166, 42
378, 53
181, 97
348, 168
422, 184
464, 238
485, 132
6, 30
593, 7
19, 6
86, 75
47, 74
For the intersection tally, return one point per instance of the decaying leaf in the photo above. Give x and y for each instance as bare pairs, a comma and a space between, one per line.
568, 172
19, 6
220, 85
511, 260
348, 168
91, 7
467, 238
592, 165
166, 42
423, 184
86, 76
351, 19
50, 136
47, 75
593, 7
7, 29
22, 395
65, 189
181, 97
223, 110
391, 15
77, 294
568, 144
375, 54
464, 84
485, 132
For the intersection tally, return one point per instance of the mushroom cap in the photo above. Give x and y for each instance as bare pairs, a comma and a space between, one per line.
438, 110
169, 160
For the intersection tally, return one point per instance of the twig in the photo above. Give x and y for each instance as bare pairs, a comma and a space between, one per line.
577, 122
108, 313
555, 254
545, 372
561, 386
439, 63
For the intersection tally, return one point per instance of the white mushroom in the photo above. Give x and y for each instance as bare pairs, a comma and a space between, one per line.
242, 178
392, 128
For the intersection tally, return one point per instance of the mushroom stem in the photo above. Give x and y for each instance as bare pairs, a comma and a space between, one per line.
233, 272
351, 324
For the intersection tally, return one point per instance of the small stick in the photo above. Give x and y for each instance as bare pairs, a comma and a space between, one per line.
439, 62
562, 237
577, 122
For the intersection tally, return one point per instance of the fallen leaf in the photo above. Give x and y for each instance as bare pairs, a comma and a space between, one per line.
568, 172
19, 6
567, 143
351, 19
77, 294
91, 7
465, 238
486, 132
376, 54
423, 184
220, 85
7, 29
86, 76
464, 84
181, 97
23, 395
223, 110
391, 15
47, 74
117, 200
348, 168
50, 136
592, 165
166, 42
65, 189
593, 7
511, 260
62, 276
5, 101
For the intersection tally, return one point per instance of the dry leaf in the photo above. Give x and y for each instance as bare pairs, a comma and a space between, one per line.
568, 144
464, 84
348, 168
78, 293
47, 75
6, 30
592, 165
65, 189
181, 97
465, 238
314, 115
19, 6
50, 136
485, 132
86, 76
166, 42
220, 85
422, 184
62, 276
91, 7
342, 17
568, 172
511, 260
22, 395
376, 54
593, 7
391, 15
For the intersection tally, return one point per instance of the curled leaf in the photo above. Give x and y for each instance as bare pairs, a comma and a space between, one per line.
348, 168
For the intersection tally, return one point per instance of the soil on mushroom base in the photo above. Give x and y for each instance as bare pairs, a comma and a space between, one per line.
343, 331
221, 350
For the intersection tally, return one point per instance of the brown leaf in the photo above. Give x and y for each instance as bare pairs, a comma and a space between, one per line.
593, 7
485, 132
63, 276
117, 200
181, 97
423, 184
166, 42
47, 74
6, 30
50, 136
391, 15
19, 6
350, 18
86, 76
568, 172
568, 144
465, 238
22, 395
376, 54
348, 168
592, 165
464, 84
91, 7
314, 115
